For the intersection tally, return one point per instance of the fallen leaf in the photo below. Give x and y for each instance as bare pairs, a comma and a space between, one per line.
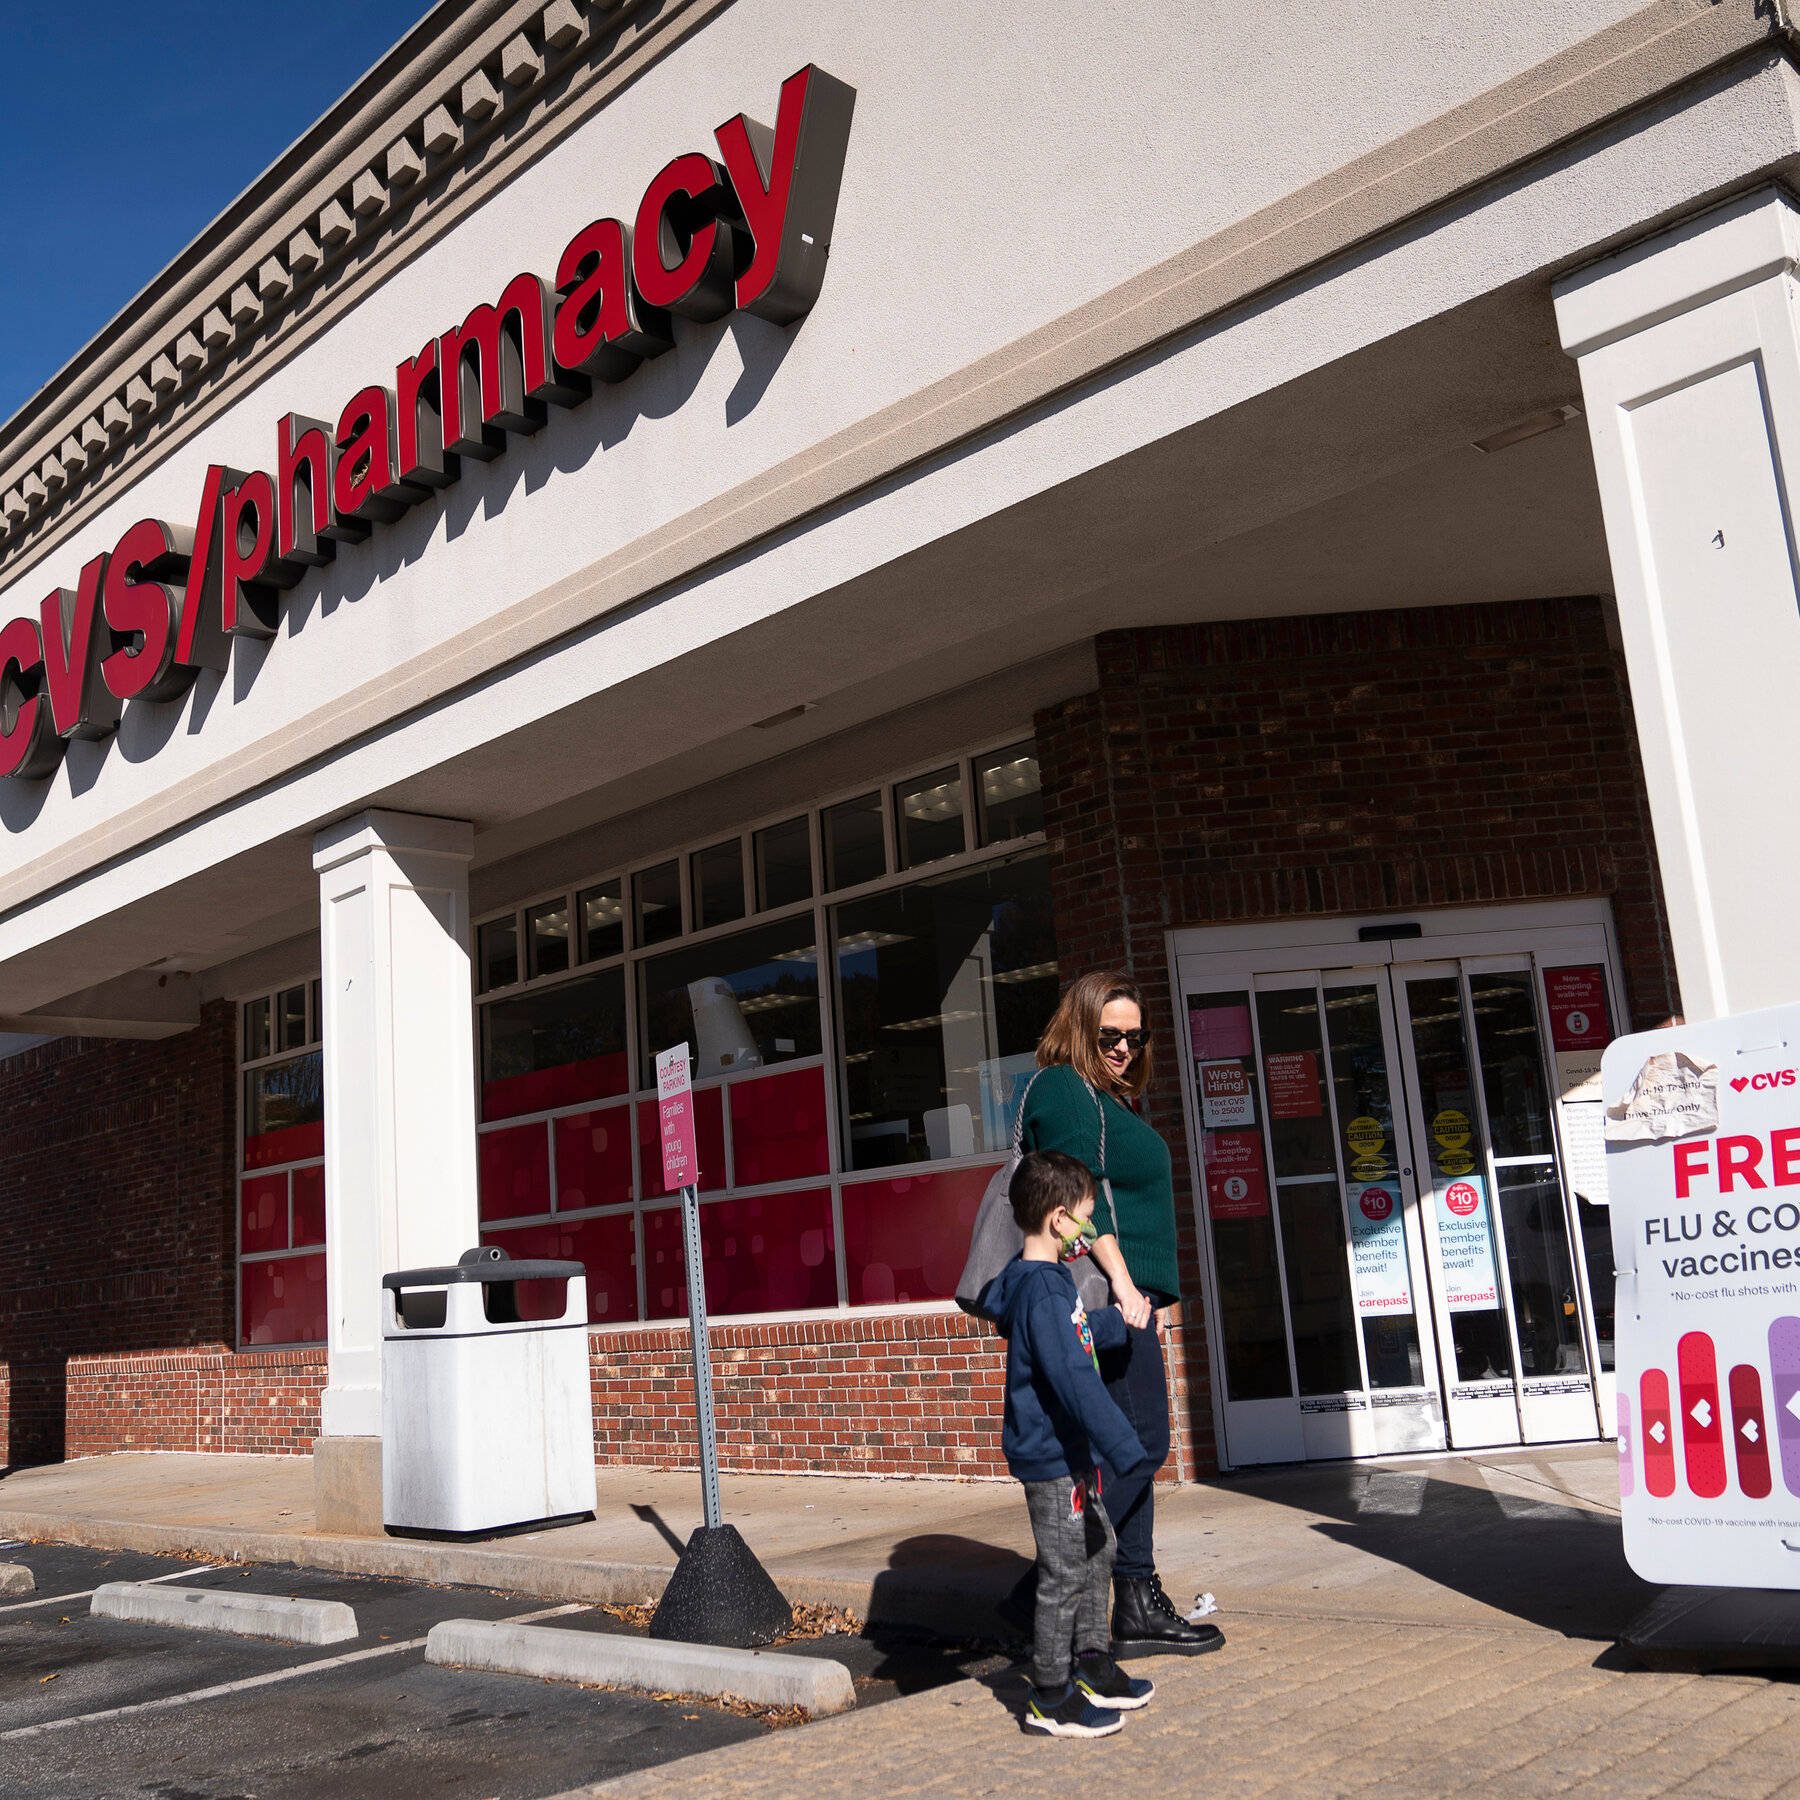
50, 1677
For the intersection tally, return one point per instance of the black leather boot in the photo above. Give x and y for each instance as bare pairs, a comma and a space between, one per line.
1145, 1622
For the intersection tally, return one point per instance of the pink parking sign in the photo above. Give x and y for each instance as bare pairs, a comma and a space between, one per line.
675, 1115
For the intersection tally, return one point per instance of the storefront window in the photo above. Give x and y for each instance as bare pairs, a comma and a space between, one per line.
499, 953
944, 981
657, 893
548, 927
718, 885
281, 1188
1010, 793
554, 1047
783, 865
854, 848
945, 986
741, 1002
929, 817
602, 920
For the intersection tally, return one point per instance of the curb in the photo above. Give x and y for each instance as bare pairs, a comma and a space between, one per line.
765, 1678
407, 1559
209, 1609
15, 1578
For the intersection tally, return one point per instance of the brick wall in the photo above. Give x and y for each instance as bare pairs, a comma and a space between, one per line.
843, 1396
118, 1234
1352, 763
260, 1401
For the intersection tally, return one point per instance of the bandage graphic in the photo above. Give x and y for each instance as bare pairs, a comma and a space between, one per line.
1784, 1398
1658, 1433
1702, 1427
1750, 1431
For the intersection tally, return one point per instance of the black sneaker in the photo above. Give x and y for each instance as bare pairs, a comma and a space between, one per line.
1106, 1684
1068, 1714
1145, 1622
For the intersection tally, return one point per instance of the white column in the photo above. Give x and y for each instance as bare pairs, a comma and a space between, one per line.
399, 1079
1690, 367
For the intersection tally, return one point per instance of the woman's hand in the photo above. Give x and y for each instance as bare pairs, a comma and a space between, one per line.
1132, 1304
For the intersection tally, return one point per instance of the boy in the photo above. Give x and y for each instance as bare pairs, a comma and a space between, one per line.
1060, 1422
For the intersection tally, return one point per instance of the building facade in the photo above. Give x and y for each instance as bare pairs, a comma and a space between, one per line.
549, 575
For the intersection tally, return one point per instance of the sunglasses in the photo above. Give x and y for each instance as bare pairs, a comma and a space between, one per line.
1110, 1038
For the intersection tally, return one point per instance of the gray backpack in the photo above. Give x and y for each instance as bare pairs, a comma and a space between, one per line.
997, 1239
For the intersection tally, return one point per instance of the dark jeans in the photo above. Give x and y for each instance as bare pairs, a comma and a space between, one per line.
1135, 1378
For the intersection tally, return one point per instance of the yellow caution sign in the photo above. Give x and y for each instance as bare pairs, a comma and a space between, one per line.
1365, 1136
1456, 1162
1451, 1128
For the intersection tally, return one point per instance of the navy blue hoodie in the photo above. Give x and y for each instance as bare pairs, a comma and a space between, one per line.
1060, 1420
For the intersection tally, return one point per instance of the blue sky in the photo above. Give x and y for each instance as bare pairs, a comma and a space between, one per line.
125, 129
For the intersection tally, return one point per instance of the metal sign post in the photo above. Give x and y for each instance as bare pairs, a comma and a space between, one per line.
681, 1168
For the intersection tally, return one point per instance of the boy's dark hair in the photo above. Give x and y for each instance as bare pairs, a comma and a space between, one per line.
1043, 1181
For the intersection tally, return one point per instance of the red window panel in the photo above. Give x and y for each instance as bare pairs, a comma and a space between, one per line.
309, 1205
907, 1238
778, 1128
593, 1159
709, 1130
542, 1090
263, 1212
514, 1171
292, 1143
762, 1253
608, 1248
284, 1300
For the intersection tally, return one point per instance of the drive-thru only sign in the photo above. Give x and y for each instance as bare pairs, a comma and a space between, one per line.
1703, 1163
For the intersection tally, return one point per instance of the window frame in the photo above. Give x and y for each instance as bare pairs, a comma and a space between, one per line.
313, 984
820, 907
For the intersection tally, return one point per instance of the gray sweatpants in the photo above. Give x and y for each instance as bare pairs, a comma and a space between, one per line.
1075, 1549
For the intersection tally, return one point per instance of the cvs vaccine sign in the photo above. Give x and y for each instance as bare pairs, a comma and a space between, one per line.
1702, 1126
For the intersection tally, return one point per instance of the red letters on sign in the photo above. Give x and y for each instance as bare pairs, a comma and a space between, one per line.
752, 231
789, 211
29, 746
603, 327
143, 616
81, 704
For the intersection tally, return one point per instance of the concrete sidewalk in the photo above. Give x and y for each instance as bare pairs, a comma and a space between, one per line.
1412, 1629
1497, 1540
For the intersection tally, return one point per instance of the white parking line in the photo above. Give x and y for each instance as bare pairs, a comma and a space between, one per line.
256, 1681
87, 1593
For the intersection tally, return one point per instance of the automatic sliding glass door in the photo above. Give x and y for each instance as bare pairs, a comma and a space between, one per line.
1400, 1202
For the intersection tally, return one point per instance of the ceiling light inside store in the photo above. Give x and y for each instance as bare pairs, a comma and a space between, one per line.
936, 1019
872, 940
1031, 972
1535, 426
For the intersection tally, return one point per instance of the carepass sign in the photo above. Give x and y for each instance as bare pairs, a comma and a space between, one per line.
748, 229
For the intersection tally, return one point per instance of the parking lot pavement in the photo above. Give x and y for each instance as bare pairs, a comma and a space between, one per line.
94, 1708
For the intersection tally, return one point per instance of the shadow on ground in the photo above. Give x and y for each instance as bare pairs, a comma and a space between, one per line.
1544, 1561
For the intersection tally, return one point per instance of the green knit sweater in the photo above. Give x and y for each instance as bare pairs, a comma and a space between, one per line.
1060, 1114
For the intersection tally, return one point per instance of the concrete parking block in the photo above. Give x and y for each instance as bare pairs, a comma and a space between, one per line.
15, 1578
208, 1609
765, 1678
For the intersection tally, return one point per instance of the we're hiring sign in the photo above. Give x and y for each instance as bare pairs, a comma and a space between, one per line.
747, 230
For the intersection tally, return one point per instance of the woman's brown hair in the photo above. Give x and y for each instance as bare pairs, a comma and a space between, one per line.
1072, 1036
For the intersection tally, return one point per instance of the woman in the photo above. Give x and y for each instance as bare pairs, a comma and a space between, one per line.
1094, 1062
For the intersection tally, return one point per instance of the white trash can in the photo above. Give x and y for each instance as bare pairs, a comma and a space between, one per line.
487, 1420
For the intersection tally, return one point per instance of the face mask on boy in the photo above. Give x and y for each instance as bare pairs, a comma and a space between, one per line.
1072, 1247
